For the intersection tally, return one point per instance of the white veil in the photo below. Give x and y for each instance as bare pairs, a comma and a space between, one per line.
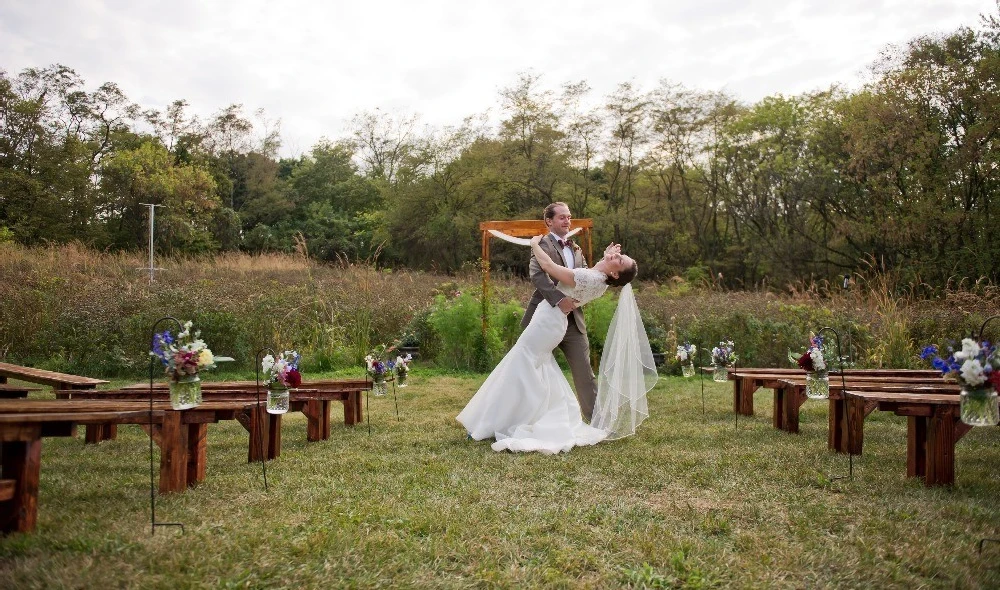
627, 372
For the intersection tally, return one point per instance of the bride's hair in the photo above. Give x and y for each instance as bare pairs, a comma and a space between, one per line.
624, 277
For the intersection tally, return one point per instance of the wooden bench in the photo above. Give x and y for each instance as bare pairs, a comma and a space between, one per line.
57, 381
317, 409
789, 395
8, 391
180, 434
21, 436
933, 428
746, 380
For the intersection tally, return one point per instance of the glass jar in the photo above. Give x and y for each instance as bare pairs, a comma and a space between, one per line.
720, 374
817, 385
277, 398
379, 387
688, 370
401, 378
978, 406
185, 393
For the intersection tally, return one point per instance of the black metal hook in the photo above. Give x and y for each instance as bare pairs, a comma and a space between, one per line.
258, 360
843, 383
701, 377
983, 327
152, 486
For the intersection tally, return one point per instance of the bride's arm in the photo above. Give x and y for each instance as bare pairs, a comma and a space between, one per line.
557, 272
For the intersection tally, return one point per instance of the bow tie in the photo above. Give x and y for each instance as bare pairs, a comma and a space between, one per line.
564, 243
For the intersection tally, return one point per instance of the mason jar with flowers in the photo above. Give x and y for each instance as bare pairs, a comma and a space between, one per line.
685, 356
379, 369
813, 363
402, 367
183, 356
976, 367
281, 373
723, 356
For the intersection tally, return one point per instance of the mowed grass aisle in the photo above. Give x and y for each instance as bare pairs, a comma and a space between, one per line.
688, 502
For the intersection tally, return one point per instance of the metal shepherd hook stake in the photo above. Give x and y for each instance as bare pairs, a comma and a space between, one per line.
258, 360
152, 483
843, 389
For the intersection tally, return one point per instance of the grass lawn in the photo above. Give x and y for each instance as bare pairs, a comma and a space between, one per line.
689, 502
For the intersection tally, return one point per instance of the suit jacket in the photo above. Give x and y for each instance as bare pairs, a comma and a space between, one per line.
545, 286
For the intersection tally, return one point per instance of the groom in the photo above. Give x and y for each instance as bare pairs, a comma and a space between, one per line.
574, 344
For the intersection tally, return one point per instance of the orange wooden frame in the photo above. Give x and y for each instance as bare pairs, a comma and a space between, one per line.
526, 228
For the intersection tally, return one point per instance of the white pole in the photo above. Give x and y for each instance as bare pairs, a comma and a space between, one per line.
152, 217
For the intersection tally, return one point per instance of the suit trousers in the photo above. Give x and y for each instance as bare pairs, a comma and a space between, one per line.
576, 347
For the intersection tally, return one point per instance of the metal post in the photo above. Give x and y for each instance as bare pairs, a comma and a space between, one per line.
152, 217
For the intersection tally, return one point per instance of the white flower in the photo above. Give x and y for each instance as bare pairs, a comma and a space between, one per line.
266, 364
817, 358
970, 350
972, 371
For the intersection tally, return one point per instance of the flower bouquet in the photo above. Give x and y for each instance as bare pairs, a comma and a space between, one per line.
813, 363
280, 374
976, 367
183, 356
685, 356
402, 367
723, 356
378, 369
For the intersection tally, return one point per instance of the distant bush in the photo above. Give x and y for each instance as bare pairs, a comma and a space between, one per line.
74, 310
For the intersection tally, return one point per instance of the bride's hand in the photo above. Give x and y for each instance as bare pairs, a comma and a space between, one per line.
613, 248
536, 240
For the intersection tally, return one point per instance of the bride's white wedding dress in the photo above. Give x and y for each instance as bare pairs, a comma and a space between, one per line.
526, 403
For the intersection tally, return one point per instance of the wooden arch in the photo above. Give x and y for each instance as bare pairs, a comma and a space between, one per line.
527, 228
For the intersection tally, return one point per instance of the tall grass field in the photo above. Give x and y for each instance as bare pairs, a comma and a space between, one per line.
694, 500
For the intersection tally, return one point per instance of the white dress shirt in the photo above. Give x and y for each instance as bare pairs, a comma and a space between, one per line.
567, 252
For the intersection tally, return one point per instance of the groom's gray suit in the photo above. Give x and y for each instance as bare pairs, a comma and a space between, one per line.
574, 344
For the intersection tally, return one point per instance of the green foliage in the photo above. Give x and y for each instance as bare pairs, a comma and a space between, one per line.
457, 325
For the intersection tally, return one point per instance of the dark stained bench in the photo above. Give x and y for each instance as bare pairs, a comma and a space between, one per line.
316, 407
746, 380
180, 435
8, 391
933, 428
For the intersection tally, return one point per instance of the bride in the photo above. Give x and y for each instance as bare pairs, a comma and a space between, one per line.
526, 403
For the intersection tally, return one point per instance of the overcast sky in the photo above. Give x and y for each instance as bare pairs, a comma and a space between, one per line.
314, 64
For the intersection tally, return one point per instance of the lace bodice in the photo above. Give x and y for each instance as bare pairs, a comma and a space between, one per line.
590, 284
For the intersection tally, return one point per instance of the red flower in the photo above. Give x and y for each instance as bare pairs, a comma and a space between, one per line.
805, 362
294, 378
994, 379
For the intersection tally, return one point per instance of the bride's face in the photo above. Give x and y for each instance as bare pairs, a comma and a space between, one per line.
615, 262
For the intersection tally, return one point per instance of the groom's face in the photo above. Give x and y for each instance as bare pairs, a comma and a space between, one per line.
560, 223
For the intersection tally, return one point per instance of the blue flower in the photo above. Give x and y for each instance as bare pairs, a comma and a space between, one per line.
940, 364
929, 351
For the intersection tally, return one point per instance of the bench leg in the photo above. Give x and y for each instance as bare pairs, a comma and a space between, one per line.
100, 432
916, 446
743, 390
318, 419
941, 447
197, 454
265, 435
173, 441
273, 436
854, 439
22, 463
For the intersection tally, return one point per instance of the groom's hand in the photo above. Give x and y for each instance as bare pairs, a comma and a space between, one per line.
567, 304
